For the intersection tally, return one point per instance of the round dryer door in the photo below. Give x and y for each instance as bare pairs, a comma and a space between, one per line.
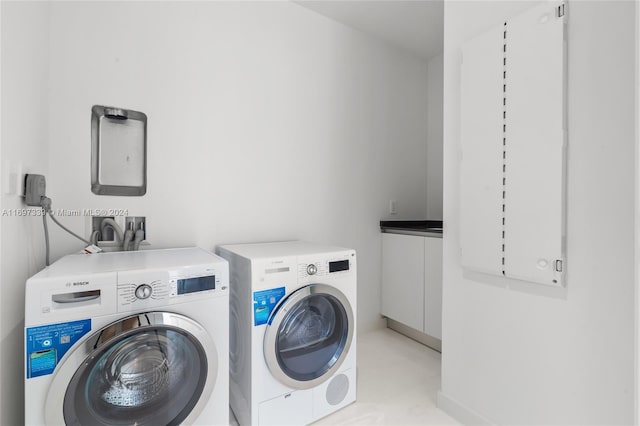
308, 336
155, 368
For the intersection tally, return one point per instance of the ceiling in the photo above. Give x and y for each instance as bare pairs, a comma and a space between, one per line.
414, 25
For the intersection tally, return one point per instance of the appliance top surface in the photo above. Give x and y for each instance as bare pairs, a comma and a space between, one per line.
76, 264
279, 249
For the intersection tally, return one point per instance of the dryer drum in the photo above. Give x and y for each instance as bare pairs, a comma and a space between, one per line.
308, 336
311, 323
312, 337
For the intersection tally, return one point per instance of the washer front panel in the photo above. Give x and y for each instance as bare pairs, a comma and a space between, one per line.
146, 369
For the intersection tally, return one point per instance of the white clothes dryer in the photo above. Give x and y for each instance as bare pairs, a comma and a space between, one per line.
128, 338
293, 331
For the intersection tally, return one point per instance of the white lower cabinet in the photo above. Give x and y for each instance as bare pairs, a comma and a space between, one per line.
412, 281
403, 279
433, 287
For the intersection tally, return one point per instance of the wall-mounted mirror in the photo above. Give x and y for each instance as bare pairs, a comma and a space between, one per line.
118, 151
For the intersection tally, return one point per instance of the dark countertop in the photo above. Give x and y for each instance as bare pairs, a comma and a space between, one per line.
430, 228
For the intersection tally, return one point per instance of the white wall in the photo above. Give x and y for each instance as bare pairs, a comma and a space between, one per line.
434, 137
517, 354
2, 181
266, 122
24, 118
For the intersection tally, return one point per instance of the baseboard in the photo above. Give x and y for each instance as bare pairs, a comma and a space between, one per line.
463, 414
416, 335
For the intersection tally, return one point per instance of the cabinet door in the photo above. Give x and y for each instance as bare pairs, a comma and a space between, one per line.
433, 287
403, 279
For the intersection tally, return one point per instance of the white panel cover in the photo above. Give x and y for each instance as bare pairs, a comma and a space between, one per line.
481, 136
534, 145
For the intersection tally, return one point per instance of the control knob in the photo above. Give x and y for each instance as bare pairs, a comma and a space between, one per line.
312, 269
143, 291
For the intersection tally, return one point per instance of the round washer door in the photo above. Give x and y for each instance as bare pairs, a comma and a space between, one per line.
308, 336
155, 368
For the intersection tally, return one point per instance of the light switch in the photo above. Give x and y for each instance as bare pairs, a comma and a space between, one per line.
14, 184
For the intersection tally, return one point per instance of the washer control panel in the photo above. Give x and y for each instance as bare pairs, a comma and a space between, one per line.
324, 267
148, 289
136, 292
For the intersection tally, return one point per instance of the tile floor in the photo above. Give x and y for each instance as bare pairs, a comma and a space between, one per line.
398, 380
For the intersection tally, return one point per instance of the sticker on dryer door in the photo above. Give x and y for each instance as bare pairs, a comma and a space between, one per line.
47, 344
263, 303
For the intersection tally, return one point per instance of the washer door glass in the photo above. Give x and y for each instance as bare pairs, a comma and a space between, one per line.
151, 376
313, 331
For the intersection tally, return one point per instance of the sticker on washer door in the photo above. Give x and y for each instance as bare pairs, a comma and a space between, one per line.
47, 344
263, 303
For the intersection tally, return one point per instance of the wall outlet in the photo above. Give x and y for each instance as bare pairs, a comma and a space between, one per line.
392, 207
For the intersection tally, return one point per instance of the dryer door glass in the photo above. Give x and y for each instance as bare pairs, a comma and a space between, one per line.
151, 375
312, 337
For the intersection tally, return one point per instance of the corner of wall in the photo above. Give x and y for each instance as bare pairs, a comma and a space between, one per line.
1, 207
636, 384
24, 85
434, 159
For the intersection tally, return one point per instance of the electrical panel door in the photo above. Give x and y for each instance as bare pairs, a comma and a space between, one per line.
513, 141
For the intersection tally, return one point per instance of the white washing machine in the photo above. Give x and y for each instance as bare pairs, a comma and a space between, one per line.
128, 338
293, 331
